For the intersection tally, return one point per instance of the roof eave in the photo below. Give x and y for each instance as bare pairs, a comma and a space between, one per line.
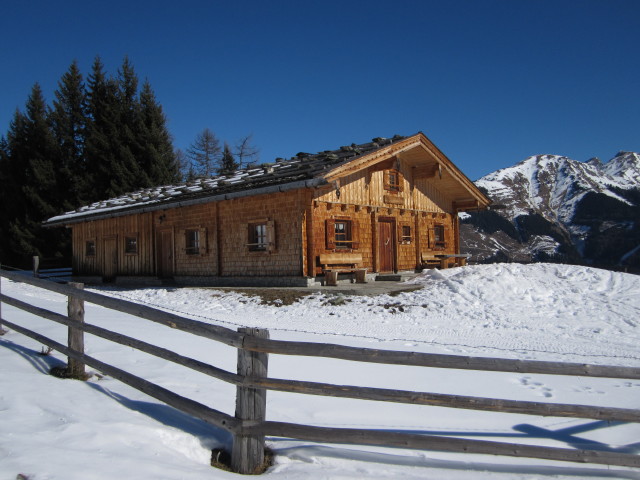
165, 205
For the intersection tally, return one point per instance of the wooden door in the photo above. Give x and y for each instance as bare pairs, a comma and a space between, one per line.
164, 253
110, 258
386, 246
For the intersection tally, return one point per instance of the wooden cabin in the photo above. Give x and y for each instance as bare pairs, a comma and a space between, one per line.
390, 205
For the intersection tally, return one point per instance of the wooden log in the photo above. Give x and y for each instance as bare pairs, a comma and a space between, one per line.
448, 400
439, 443
2, 330
247, 456
36, 266
346, 391
75, 312
159, 352
417, 359
213, 332
186, 405
338, 351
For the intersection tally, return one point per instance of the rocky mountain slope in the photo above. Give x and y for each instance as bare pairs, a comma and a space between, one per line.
550, 207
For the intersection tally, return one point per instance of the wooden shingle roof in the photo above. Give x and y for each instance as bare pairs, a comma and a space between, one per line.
303, 170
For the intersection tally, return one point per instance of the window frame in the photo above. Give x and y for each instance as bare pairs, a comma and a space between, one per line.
350, 240
393, 181
127, 244
258, 240
192, 241
439, 236
346, 234
405, 234
90, 248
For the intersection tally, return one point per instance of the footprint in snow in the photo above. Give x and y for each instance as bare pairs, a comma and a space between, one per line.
538, 387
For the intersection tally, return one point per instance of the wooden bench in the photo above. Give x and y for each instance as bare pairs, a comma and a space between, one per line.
334, 263
431, 260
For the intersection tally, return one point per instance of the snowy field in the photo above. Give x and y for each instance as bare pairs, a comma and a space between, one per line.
102, 429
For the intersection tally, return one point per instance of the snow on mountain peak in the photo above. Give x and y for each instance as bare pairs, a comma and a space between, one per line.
551, 185
625, 167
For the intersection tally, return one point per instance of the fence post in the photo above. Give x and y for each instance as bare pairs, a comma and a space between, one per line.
36, 266
2, 330
75, 310
247, 456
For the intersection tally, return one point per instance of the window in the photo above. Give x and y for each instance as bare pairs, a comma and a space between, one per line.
392, 181
261, 236
406, 235
258, 237
341, 233
438, 235
90, 248
192, 242
131, 245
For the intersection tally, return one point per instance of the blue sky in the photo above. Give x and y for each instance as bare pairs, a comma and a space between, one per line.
490, 82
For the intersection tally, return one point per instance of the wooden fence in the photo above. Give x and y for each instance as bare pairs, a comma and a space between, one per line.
249, 426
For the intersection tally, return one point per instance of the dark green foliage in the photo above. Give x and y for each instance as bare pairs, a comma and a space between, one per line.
489, 221
594, 207
614, 226
536, 224
33, 187
68, 122
156, 153
97, 141
102, 145
228, 163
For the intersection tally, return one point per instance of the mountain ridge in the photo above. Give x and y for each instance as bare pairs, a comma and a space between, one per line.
551, 207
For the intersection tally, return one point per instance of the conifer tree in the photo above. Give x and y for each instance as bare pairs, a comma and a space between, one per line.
68, 121
129, 147
102, 145
32, 148
156, 154
5, 198
228, 163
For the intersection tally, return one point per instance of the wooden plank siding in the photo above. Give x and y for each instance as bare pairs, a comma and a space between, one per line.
101, 231
286, 211
412, 202
420, 206
223, 238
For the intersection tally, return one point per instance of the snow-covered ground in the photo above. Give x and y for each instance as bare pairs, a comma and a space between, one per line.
102, 429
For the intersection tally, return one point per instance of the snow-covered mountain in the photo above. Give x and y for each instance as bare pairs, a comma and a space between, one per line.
552, 207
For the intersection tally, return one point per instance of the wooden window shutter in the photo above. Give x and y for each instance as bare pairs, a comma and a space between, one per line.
400, 182
181, 241
330, 233
430, 237
271, 236
387, 184
204, 243
355, 235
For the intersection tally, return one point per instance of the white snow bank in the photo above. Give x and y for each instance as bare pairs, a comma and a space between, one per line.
54, 429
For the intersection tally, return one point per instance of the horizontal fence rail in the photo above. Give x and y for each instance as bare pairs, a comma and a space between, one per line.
249, 426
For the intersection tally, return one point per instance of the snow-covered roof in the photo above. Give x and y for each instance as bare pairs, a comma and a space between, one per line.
303, 170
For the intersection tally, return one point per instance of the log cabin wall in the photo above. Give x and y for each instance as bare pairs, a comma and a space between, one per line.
420, 213
93, 241
222, 239
189, 259
282, 213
